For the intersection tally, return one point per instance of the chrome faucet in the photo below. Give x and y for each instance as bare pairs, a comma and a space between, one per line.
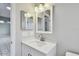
41, 37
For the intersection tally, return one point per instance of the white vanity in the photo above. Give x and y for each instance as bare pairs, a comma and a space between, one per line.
38, 48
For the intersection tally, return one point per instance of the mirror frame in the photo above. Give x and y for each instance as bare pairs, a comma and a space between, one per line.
51, 22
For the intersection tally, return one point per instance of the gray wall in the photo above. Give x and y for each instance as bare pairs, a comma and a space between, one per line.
66, 28
66, 24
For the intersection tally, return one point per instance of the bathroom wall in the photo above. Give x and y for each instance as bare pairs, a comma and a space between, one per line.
17, 34
66, 27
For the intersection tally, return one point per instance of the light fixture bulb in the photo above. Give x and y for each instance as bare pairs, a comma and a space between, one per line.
41, 7
47, 6
36, 9
27, 15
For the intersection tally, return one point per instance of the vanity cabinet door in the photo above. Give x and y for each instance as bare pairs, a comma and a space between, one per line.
52, 52
25, 50
28, 51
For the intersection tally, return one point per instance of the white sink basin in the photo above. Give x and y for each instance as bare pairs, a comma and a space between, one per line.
38, 43
41, 46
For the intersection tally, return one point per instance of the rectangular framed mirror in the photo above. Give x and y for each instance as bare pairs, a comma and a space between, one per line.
44, 19
26, 21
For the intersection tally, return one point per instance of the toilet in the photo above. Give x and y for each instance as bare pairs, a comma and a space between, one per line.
71, 54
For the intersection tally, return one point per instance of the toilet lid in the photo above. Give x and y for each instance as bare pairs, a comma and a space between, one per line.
71, 54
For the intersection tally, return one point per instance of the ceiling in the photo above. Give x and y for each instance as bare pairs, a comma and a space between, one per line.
3, 10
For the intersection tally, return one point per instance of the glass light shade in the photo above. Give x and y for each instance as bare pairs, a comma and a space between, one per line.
47, 6
41, 7
27, 15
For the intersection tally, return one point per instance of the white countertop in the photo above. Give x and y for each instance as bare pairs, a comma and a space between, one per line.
45, 47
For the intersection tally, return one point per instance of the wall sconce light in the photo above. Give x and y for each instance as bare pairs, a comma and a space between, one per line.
41, 7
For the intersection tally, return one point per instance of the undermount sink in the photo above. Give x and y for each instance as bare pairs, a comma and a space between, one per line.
38, 43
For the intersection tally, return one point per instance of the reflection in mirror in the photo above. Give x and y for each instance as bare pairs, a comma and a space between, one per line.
26, 21
44, 19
